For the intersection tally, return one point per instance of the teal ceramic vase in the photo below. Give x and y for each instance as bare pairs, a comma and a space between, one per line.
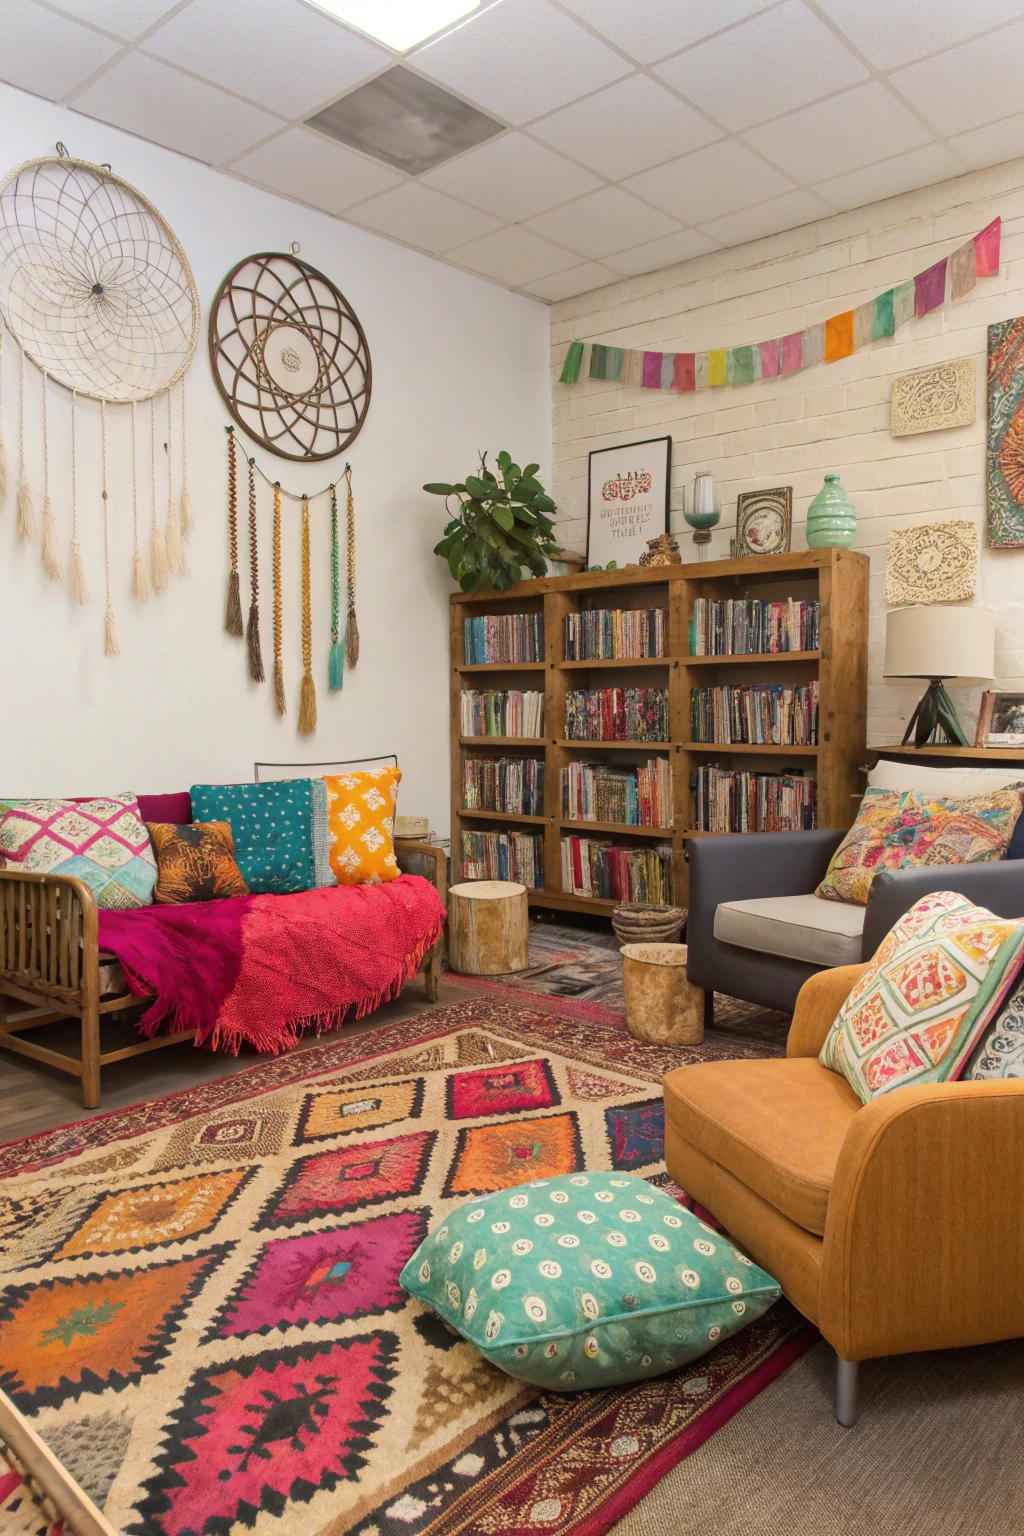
831, 517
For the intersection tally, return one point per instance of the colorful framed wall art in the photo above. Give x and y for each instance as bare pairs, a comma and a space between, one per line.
1005, 456
764, 521
628, 490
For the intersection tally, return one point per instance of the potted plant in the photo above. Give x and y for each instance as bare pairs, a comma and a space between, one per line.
502, 526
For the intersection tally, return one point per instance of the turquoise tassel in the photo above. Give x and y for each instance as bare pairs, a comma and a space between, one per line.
336, 667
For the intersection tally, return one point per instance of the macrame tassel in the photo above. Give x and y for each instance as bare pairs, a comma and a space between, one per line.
175, 547
110, 641
352, 639
233, 618
336, 667
158, 560
307, 705
252, 636
307, 698
185, 513
280, 699
51, 549
76, 571
140, 586
252, 640
26, 511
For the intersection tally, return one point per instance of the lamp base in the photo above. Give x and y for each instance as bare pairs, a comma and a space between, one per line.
935, 713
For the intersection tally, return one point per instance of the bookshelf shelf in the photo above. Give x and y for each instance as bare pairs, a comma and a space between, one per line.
837, 579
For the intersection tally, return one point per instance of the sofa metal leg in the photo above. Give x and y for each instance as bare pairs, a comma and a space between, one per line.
847, 1372
709, 1009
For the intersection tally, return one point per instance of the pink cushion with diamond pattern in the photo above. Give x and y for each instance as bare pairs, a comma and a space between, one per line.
103, 842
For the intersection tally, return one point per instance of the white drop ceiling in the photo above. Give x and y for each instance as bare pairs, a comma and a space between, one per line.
636, 133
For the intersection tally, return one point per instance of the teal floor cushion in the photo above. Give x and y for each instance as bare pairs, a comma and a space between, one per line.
586, 1280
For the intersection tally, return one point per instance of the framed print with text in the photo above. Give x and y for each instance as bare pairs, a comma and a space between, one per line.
627, 501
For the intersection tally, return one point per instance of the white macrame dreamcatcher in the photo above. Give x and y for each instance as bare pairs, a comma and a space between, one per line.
99, 295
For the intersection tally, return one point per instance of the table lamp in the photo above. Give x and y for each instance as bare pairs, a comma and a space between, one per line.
939, 642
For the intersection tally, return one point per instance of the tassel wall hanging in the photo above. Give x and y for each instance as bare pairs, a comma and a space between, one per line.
351, 627
307, 698
76, 570
233, 617
157, 547
51, 549
139, 584
336, 657
26, 511
188, 521
280, 701
110, 645
252, 634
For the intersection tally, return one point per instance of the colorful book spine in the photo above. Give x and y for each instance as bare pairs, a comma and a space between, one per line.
763, 714
627, 796
597, 867
517, 856
617, 714
514, 785
608, 634
492, 638
501, 712
749, 627
725, 800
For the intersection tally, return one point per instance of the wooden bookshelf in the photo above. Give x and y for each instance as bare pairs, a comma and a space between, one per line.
838, 579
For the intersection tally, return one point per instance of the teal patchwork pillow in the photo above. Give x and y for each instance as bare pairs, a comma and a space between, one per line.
586, 1280
271, 825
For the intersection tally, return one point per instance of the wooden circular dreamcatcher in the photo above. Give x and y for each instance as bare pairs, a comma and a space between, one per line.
289, 357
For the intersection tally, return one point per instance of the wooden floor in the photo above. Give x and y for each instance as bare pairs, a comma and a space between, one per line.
35, 1097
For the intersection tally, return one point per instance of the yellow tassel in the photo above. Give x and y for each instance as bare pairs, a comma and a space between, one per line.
140, 585
110, 645
352, 639
158, 560
26, 511
76, 573
280, 701
307, 705
51, 548
187, 516
175, 547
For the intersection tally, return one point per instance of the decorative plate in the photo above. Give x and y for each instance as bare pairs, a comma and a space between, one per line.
935, 564
764, 521
289, 357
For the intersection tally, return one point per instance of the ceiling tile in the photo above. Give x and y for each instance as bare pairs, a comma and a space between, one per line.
767, 66
993, 144
840, 135
603, 222
666, 252
710, 182
519, 60
904, 173
890, 35
43, 53
301, 164
787, 212
957, 90
125, 18
565, 285
627, 127
513, 256
422, 217
512, 177
651, 30
169, 108
284, 55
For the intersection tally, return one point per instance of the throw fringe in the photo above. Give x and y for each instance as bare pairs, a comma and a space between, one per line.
252, 640
110, 644
233, 617
158, 560
336, 667
352, 639
26, 511
280, 700
175, 547
76, 573
307, 705
140, 586
51, 548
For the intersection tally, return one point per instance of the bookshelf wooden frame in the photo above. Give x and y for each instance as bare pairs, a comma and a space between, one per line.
838, 578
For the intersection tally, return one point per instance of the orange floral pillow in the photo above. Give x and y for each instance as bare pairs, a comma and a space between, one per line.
361, 823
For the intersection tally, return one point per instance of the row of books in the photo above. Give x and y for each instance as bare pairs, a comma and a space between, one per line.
514, 785
763, 714
515, 856
725, 800
635, 797
502, 712
617, 714
741, 627
497, 637
598, 867
603, 634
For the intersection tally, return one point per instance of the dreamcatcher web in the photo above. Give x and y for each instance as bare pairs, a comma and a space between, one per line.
93, 283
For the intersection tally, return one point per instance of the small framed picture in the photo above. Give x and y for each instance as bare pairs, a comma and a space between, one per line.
1000, 720
764, 521
627, 501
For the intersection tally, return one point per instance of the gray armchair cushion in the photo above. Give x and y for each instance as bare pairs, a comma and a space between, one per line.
804, 928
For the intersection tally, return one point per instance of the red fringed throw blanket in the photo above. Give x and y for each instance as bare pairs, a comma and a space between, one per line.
268, 969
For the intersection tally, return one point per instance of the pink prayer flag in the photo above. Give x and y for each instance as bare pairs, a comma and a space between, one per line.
793, 352
930, 288
986, 249
684, 377
652, 370
769, 351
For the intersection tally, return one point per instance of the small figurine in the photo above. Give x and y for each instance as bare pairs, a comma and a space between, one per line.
664, 550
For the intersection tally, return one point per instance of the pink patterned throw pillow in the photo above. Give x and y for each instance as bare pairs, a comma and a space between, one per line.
103, 842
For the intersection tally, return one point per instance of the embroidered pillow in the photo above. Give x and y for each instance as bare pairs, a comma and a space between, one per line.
935, 983
271, 828
1000, 1052
103, 842
361, 822
195, 862
897, 830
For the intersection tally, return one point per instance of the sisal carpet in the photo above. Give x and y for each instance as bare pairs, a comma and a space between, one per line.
199, 1307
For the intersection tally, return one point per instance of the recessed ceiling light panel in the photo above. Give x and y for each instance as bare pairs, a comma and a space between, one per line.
401, 24
406, 121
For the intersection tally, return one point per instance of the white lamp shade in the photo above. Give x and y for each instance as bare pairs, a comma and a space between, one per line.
940, 641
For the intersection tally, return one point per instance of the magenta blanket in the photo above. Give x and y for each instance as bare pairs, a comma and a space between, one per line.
267, 969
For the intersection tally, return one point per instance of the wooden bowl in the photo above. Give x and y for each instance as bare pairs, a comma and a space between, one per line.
648, 923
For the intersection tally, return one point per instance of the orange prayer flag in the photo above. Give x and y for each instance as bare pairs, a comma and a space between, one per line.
839, 336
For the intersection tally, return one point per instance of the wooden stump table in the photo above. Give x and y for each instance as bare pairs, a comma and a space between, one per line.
488, 927
662, 1005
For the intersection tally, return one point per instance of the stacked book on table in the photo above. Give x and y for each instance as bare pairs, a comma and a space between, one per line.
502, 712
607, 634
735, 626
598, 867
514, 785
764, 714
727, 801
515, 856
496, 637
617, 714
636, 797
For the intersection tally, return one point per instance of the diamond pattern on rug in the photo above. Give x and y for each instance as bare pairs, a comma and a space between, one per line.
461, 1379
62, 1338
256, 1133
636, 1133
321, 1277
92, 1450
351, 1179
358, 1109
260, 1432
502, 1090
589, 1086
490, 1157
155, 1214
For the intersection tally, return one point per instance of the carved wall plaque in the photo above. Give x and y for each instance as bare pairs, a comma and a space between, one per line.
935, 564
930, 399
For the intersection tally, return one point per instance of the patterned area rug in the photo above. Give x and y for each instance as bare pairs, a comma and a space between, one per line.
200, 1309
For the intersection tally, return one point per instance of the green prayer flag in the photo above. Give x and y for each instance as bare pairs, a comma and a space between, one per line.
571, 367
882, 323
598, 361
612, 362
739, 365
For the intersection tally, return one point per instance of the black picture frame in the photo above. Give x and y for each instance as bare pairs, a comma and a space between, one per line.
620, 464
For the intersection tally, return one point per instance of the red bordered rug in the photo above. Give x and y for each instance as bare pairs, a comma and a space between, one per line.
200, 1309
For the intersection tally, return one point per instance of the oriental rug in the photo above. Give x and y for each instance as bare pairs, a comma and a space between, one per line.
200, 1309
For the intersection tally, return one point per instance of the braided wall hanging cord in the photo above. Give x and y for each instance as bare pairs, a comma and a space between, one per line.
336, 656
280, 699
233, 616
252, 634
307, 698
351, 627
76, 570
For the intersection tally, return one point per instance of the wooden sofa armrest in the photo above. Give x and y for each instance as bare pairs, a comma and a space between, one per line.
49, 937
924, 1239
44, 1474
418, 858
820, 999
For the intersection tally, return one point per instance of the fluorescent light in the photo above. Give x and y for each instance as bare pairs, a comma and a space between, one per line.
399, 23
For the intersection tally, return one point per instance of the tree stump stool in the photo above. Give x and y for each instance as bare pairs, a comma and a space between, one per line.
487, 927
662, 1005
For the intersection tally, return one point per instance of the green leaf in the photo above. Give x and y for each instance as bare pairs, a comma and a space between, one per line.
438, 488
477, 488
544, 504
471, 581
446, 546
530, 471
503, 517
504, 459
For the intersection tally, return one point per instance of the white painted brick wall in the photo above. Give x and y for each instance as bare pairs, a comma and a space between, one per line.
835, 417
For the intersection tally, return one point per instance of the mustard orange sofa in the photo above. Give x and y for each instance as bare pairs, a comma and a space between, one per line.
894, 1226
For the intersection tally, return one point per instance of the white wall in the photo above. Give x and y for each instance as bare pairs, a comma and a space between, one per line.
458, 365
835, 417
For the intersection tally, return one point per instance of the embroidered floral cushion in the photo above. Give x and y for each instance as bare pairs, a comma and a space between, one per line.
103, 842
271, 825
1000, 1052
586, 1280
935, 983
195, 862
361, 822
894, 830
